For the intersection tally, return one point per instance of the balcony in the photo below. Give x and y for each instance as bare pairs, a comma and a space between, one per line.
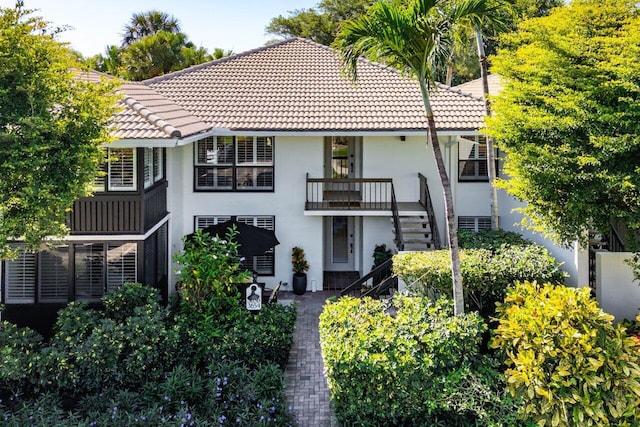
119, 213
349, 194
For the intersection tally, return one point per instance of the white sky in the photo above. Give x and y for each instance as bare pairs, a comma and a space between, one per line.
237, 25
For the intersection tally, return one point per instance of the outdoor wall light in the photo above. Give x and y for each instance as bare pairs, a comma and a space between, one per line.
403, 138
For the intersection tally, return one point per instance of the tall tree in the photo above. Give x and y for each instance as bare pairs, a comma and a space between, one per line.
51, 127
414, 38
482, 16
319, 24
568, 118
148, 23
153, 55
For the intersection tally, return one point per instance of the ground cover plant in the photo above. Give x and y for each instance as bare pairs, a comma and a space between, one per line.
203, 361
421, 367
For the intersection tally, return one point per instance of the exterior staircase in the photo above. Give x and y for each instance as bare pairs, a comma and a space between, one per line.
416, 232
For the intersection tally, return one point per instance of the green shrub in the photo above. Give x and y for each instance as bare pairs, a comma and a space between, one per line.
485, 274
90, 352
571, 365
265, 337
210, 270
421, 367
491, 240
122, 301
19, 359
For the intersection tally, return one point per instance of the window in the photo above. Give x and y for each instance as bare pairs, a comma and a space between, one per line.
121, 169
153, 166
243, 163
264, 265
472, 159
20, 278
474, 223
99, 267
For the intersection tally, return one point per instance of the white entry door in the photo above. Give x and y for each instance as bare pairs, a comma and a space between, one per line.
339, 247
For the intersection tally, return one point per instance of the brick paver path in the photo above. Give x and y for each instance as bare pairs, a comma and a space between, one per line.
306, 384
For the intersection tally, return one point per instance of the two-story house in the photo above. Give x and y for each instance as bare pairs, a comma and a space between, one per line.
276, 137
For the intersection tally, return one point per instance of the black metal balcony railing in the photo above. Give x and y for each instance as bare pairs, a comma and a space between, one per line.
119, 213
349, 193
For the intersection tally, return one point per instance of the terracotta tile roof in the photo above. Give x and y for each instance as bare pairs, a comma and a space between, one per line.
146, 114
297, 85
474, 87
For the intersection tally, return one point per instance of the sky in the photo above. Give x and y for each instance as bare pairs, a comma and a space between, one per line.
237, 25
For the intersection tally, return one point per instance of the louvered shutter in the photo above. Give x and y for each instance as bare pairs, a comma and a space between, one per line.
20, 281
122, 162
54, 274
89, 271
121, 264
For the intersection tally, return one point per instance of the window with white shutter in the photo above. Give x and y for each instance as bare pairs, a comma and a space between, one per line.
158, 164
474, 223
53, 273
242, 163
121, 264
122, 169
89, 271
148, 167
20, 280
472, 159
264, 265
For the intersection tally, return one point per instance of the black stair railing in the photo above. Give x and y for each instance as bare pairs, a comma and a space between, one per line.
396, 221
370, 280
425, 201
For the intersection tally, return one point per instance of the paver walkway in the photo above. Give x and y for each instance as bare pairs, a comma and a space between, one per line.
306, 384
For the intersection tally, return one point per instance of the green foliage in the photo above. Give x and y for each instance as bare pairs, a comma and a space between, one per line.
257, 339
566, 359
380, 255
122, 301
486, 275
298, 260
491, 240
568, 118
51, 127
421, 367
210, 272
127, 347
19, 357
319, 24
152, 46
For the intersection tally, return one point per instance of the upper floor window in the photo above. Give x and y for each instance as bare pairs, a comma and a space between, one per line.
153, 166
119, 173
234, 163
472, 159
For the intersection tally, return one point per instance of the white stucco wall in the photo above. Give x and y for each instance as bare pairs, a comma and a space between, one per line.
616, 291
293, 158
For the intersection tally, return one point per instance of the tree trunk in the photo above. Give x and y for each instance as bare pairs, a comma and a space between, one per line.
491, 159
452, 231
449, 76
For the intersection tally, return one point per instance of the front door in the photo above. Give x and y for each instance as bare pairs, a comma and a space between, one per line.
339, 243
341, 157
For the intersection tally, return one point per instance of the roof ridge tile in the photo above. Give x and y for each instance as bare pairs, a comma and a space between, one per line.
151, 117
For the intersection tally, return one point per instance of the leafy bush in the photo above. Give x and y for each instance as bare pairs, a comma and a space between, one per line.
491, 240
19, 358
211, 269
485, 274
122, 301
421, 367
572, 366
89, 352
265, 337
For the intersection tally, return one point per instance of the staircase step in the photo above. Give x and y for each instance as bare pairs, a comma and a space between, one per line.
418, 240
413, 220
416, 230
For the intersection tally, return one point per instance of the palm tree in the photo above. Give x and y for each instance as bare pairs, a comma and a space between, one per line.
413, 38
479, 15
149, 23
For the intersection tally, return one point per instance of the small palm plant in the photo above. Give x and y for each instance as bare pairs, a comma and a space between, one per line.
298, 260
